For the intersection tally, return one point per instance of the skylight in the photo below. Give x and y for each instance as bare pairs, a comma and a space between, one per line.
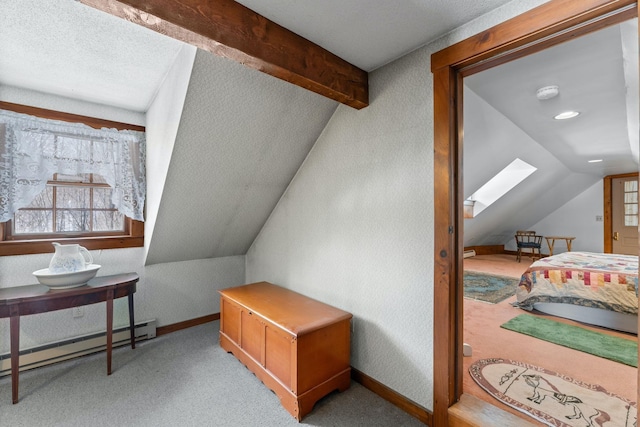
512, 175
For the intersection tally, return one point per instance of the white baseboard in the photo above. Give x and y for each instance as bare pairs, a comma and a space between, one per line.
75, 347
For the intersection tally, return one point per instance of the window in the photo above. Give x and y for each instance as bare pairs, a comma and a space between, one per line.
513, 174
79, 205
631, 203
79, 184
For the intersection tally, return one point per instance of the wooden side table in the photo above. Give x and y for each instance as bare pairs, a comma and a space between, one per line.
551, 240
33, 299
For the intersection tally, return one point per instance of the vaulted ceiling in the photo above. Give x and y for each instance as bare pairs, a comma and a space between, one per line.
596, 75
67, 48
64, 48
242, 134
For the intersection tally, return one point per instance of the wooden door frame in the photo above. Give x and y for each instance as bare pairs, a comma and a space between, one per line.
551, 23
608, 208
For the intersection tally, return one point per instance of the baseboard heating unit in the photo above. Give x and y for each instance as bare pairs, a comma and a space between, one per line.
469, 254
76, 347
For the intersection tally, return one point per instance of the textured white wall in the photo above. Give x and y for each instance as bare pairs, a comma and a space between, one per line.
169, 293
576, 218
242, 136
163, 119
355, 227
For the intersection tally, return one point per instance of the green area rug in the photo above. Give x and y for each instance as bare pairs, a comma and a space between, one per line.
488, 287
592, 342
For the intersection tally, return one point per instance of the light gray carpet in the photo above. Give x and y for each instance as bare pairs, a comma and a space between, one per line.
180, 379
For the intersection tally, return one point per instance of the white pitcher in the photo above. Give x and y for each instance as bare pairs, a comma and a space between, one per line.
69, 258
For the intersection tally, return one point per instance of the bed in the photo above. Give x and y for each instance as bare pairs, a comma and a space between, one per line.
594, 288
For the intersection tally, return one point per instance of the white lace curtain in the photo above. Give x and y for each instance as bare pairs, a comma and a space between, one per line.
33, 149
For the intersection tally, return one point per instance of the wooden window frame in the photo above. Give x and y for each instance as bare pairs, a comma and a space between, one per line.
133, 235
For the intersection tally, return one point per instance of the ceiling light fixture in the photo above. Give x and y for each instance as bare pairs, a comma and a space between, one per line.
547, 92
595, 161
567, 115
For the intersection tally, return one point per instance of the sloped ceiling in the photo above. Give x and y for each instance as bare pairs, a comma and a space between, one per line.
590, 72
242, 137
492, 141
243, 134
504, 120
371, 33
64, 48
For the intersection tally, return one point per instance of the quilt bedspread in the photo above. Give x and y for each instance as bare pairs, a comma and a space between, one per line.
607, 281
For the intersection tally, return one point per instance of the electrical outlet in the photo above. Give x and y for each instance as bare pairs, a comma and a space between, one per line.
78, 311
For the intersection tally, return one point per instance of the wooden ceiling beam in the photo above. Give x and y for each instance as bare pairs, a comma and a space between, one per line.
229, 29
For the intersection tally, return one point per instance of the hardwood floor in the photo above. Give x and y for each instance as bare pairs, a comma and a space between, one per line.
482, 331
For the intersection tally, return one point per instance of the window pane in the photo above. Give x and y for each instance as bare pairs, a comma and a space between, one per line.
72, 178
630, 186
43, 200
108, 221
631, 220
72, 220
102, 198
631, 197
33, 222
72, 197
69, 147
503, 182
78, 208
99, 179
631, 209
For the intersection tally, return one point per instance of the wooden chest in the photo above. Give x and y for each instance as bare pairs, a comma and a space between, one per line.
297, 346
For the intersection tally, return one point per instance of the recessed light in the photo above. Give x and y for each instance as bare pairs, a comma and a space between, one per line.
595, 161
566, 115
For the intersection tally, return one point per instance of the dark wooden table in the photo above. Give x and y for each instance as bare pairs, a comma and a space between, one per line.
33, 299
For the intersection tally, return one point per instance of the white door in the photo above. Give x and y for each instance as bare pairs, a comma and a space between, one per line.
624, 221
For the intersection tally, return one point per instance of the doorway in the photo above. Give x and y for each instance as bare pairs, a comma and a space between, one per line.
621, 214
547, 25
555, 190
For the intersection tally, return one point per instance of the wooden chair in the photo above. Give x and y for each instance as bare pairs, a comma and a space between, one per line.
529, 240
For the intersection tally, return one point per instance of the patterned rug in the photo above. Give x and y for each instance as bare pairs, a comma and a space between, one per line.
552, 398
488, 287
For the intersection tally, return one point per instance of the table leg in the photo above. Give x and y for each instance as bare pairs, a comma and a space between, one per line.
132, 322
109, 329
14, 326
569, 245
551, 243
